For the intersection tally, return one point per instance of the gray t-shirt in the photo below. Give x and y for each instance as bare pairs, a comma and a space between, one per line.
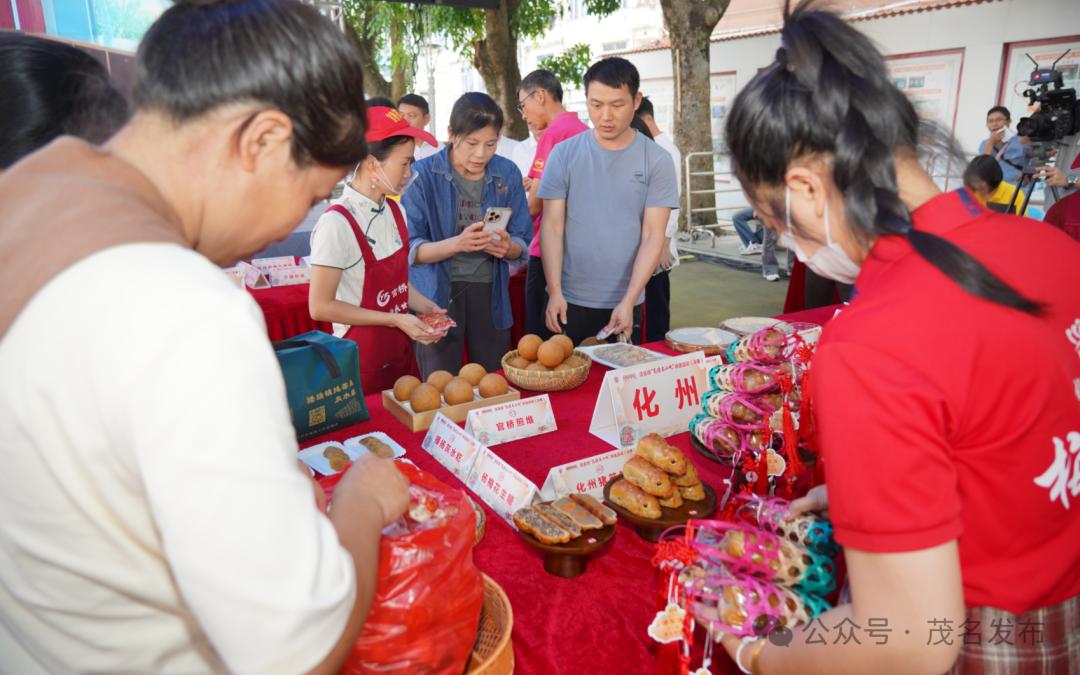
478, 266
606, 193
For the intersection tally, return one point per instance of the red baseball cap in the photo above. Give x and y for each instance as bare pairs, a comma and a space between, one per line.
385, 122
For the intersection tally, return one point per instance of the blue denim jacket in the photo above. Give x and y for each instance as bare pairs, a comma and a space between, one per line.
431, 205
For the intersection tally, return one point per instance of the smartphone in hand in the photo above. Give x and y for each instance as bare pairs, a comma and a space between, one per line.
496, 219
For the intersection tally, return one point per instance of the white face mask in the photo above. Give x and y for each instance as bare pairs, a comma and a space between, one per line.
390, 189
829, 261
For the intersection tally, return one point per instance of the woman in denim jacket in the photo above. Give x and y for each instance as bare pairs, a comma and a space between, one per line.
452, 259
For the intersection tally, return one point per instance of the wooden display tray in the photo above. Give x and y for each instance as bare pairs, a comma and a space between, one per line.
650, 529
700, 447
569, 560
457, 413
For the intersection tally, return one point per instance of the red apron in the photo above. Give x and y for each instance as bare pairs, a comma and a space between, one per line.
385, 353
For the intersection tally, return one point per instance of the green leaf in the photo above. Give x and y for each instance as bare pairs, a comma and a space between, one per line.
570, 66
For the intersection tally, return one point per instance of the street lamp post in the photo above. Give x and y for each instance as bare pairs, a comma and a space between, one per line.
431, 55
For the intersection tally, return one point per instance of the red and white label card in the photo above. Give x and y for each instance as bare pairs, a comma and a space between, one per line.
658, 397
279, 263
511, 421
500, 485
585, 475
452, 447
253, 278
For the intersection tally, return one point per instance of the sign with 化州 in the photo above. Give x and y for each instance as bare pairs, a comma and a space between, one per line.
657, 397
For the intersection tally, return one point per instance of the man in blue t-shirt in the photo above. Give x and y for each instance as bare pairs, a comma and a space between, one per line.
607, 195
1003, 145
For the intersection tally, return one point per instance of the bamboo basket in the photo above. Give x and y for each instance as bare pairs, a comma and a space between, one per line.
553, 380
493, 652
481, 520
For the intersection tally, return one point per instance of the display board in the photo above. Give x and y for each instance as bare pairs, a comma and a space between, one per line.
931, 81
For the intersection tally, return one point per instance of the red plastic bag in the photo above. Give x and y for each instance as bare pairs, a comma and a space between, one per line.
427, 602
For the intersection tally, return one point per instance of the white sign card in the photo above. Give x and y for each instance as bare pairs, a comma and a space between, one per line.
289, 276
585, 475
452, 447
280, 262
236, 274
658, 397
253, 278
500, 485
511, 421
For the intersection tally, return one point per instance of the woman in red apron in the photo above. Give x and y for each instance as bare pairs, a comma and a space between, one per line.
360, 259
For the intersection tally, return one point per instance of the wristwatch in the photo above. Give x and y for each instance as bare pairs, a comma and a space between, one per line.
1072, 179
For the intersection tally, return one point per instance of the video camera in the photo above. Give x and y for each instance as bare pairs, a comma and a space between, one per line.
1058, 115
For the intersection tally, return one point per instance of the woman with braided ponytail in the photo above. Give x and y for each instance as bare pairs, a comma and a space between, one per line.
946, 393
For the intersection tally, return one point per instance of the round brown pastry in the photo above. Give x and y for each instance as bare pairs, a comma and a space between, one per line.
528, 346
439, 379
493, 384
567, 344
562, 366
404, 387
473, 372
424, 398
550, 354
519, 362
538, 367
458, 390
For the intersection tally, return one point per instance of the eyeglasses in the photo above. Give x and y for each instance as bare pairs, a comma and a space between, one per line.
521, 104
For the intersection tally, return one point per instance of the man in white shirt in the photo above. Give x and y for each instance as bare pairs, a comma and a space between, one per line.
658, 290
416, 111
155, 517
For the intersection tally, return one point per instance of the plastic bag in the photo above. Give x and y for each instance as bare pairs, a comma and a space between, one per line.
427, 602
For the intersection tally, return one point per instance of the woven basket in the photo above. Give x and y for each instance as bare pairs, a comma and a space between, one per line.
481, 520
493, 653
553, 380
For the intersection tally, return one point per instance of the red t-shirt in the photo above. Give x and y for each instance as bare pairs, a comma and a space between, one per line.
567, 125
944, 416
1065, 214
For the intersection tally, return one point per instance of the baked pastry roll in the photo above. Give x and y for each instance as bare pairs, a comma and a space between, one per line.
547, 532
647, 477
694, 493
606, 515
661, 454
580, 515
687, 479
559, 518
633, 499
672, 502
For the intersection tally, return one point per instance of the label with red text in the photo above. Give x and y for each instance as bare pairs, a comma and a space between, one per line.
511, 421
451, 446
659, 397
501, 486
585, 475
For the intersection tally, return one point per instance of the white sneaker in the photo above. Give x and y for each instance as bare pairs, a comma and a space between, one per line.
755, 248
750, 249
772, 277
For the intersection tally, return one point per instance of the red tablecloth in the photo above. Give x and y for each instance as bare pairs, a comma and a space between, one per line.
286, 310
596, 622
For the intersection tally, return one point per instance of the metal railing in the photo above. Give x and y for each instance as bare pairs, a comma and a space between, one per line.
724, 183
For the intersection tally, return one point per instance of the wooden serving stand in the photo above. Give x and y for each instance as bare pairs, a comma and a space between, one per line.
422, 421
650, 529
700, 447
569, 560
